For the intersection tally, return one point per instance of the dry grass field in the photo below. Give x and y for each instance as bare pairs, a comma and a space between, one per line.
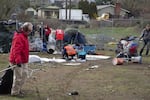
130, 81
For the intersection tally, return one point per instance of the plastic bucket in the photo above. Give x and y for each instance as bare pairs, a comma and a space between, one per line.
137, 59
117, 61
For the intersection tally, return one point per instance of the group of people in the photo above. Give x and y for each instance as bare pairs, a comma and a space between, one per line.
44, 31
19, 53
59, 36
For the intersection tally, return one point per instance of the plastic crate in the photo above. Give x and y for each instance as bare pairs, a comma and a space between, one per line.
89, 49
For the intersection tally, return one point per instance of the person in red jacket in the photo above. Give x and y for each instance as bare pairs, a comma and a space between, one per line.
59, 36
47, 31
19, 54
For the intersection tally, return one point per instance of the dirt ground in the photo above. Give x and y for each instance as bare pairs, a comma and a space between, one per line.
130, 81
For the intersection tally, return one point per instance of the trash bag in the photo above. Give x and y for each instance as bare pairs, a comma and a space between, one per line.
51, 45
6, 82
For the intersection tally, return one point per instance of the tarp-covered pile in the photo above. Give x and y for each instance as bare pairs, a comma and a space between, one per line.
6, 34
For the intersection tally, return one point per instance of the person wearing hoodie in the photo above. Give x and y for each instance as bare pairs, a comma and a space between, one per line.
18, 57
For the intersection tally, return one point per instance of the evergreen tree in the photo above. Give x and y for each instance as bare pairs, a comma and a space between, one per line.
84, 5
88, 8
92, 10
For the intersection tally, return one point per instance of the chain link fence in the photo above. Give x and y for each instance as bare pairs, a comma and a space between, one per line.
98, 33
111, 31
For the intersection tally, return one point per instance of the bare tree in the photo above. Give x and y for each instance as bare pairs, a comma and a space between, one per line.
7, 7
136, 7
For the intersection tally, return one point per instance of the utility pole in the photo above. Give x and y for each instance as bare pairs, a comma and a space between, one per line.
66, 8
69, 10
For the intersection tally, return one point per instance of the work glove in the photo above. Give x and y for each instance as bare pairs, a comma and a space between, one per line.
18, 65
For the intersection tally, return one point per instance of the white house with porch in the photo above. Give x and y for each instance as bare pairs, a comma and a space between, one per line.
114, 10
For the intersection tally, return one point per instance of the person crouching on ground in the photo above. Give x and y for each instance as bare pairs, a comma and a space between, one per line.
67, 51
19, 54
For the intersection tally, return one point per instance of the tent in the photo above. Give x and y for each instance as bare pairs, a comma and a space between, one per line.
73, 36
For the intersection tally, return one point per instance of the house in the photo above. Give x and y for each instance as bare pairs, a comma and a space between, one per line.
114, 10
48, 12
31, 11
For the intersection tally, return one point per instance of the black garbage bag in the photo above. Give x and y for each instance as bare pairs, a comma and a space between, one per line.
6, 82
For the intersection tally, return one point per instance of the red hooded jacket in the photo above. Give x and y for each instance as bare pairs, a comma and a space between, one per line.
47, 31
19, 52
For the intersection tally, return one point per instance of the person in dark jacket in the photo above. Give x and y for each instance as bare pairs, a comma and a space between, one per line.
19, 55
145, 36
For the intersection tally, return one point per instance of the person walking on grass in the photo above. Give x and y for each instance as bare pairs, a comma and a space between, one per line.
19, 55
145, 36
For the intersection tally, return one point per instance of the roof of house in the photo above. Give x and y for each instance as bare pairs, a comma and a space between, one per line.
30, 9
49, 7
99, 7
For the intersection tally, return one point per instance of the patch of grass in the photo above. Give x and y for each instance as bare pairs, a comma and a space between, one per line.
116, 32
4, 61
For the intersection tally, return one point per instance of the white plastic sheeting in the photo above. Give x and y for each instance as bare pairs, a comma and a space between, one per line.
37, 59
96, 57
34, 58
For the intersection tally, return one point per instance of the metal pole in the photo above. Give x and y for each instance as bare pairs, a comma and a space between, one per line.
42, 36
16, 24
7, 68
66, 9
69, 10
